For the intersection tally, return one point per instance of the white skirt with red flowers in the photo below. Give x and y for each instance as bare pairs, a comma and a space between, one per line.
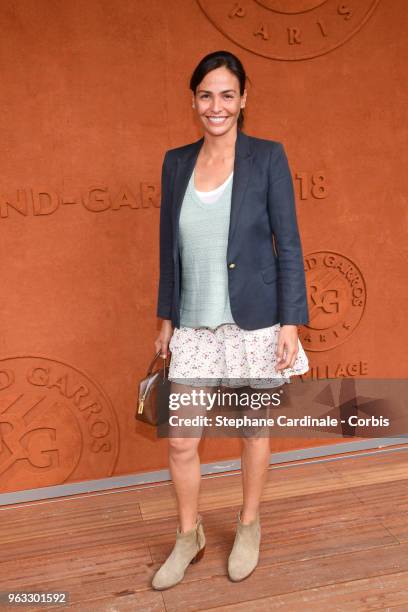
230, 356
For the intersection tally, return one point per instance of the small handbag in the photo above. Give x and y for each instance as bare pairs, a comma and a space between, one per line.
153, 396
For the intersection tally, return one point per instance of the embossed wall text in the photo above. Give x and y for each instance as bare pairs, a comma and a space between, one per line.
336, 299
57, 424
97, 198
288, 29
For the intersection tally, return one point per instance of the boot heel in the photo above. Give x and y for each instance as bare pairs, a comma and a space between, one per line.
198, 556
183, 554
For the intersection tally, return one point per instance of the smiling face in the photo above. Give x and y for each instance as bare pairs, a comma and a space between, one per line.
218, 101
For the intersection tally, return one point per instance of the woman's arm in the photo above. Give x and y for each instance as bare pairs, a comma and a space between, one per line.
292, 293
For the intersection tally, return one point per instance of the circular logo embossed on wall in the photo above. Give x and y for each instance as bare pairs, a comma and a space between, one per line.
288, 29
336, 300
57, 425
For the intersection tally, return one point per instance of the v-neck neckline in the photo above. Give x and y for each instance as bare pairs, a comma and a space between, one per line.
224, 184
197, 199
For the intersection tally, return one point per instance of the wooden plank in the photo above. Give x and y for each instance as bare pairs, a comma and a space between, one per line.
283, 578
329, 536
378, 593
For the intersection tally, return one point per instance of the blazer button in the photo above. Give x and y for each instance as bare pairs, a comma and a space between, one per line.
231, 265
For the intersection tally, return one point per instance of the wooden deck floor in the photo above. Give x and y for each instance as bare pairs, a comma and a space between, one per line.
334, 537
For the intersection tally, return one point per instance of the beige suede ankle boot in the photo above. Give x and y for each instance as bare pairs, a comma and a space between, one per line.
189, 548
245, 551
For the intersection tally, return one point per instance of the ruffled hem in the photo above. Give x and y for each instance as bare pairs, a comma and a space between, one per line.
230, 356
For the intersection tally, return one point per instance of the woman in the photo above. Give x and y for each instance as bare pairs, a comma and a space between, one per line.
231, 293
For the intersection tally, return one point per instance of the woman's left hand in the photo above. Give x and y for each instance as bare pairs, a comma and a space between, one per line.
287, 343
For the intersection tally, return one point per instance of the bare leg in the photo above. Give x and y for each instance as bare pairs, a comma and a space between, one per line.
254, 465
184, 460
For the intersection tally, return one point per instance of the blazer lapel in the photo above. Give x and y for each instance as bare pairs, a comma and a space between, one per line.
184, 169
242, 172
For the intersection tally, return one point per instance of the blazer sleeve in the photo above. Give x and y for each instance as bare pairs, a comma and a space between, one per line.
166, 281
292, 292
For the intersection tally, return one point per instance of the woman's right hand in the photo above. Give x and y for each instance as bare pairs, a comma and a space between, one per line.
163, 339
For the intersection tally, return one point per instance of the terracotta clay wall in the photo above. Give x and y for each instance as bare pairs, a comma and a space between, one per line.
92, 95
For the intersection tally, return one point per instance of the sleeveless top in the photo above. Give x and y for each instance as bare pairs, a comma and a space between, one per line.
203, 231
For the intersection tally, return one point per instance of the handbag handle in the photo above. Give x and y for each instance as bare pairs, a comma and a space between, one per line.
150, 369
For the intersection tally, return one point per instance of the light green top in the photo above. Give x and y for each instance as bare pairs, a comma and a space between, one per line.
203, 231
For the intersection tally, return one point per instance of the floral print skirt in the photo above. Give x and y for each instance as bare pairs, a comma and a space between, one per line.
230, 356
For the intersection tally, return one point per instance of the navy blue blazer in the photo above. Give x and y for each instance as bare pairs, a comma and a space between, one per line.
264, 259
